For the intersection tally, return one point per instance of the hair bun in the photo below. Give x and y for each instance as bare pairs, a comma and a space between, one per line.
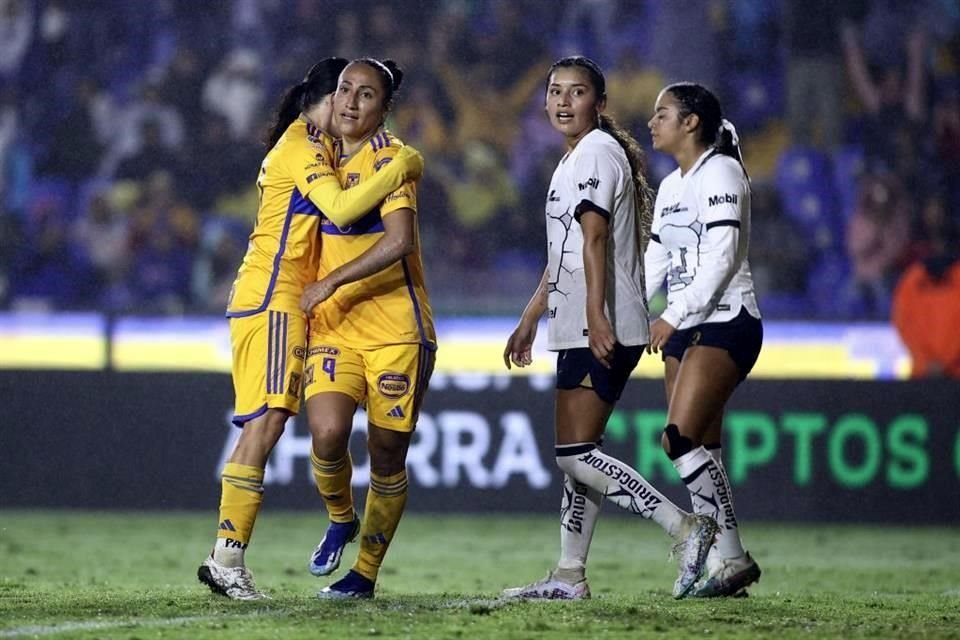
395, 71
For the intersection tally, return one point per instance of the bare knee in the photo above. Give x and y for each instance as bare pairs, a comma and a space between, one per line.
388, 450
330, 437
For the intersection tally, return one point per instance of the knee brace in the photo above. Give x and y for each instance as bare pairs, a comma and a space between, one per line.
677, 444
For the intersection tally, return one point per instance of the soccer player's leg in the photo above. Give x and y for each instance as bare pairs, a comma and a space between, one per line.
335, 385
702, 386
397, 379
265, 397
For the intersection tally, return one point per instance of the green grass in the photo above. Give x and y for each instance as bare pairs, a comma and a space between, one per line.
132, 575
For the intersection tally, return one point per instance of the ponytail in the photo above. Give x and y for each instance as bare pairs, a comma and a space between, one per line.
638, 171
320, 81
288, 111
728, 143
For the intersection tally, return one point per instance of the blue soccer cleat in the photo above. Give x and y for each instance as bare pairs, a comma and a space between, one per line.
326, 557
352, 585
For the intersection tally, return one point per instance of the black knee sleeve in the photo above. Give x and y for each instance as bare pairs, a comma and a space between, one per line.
679, 444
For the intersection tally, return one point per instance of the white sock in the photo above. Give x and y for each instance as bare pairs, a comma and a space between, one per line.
710, 493
579, 510
227, 556
619, 483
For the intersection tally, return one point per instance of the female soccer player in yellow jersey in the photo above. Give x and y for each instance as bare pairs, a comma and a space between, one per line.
267, 328
371, 340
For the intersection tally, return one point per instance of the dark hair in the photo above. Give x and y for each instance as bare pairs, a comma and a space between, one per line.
320, 81
634, 152
697, 99
390, 73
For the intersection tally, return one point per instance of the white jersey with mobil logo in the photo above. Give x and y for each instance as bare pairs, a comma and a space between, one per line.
595, 176
700, 239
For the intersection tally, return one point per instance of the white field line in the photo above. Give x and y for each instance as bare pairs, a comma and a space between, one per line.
125, 623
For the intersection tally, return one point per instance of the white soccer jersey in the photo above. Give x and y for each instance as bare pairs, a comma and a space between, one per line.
595, 175
700, 238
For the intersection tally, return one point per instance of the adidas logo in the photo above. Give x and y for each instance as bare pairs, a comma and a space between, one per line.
396, 412
226, 525
376, 538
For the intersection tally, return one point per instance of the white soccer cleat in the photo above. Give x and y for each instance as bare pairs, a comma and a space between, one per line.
549, 588
697, 535
234, 582
728, 577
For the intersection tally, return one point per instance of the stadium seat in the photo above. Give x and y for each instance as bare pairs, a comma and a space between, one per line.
848, 166
804, 179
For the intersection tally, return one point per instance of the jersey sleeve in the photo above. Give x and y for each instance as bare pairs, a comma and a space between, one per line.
403, 196
597, 175
656, 259
721, 194
312, 171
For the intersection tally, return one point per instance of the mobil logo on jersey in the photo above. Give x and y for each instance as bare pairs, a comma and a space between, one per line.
393, 385
722, 198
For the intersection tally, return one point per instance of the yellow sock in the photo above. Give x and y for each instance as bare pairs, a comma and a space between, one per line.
386, 499
240, 499
333, 483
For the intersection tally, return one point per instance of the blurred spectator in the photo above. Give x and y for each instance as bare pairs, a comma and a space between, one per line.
926, 312
16, 33
48, 273
892, 94
78, 149
478, 102
163, 238
182, 85
877, 238
102, 236
235, 91
778, 266
222, 246
152, 155
814, 71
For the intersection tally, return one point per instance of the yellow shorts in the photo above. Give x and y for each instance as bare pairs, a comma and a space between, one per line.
390, 380
268, 355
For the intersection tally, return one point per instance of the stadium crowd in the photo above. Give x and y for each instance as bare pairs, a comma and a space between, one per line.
130, 136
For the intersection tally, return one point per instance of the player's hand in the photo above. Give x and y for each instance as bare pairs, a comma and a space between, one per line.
411, 163
660, 332
315, 293
519, 349
601, 338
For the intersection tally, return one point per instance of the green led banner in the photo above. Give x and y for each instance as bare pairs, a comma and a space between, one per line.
828, 451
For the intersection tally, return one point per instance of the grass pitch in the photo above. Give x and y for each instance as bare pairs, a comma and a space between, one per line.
133, 576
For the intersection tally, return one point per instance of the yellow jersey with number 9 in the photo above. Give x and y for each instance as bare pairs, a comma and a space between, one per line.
284, 248
388, 307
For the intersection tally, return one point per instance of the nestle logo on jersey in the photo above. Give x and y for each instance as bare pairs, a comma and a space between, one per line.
393, 385
593, 183
725, 198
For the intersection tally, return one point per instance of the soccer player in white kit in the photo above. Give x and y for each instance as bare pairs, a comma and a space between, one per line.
710, 333
592, 292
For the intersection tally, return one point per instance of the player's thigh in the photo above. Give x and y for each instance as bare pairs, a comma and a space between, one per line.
334, 385
397, 378
268, 357
671, 367
705, 380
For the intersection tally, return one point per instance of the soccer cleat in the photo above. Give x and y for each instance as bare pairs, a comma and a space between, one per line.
352, 585
729, 578
234, 582
692, 549
549, 588
326, 557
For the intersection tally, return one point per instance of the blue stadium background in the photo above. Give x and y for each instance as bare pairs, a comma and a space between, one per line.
130, 136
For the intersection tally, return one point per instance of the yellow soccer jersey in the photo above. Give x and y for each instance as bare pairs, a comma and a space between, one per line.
389, 307
284, 248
